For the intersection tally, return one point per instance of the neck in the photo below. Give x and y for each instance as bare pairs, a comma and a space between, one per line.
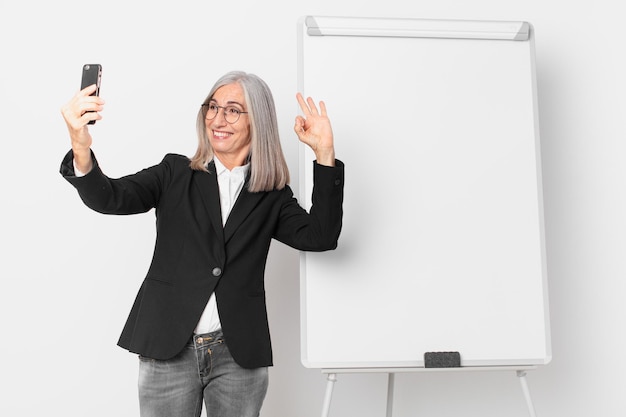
231, 162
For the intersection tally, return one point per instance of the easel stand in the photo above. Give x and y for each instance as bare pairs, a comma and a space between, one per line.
520, 371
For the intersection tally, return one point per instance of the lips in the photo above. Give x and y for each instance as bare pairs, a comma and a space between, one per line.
221, 135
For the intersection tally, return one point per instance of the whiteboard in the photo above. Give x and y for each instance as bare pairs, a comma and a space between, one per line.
442, 247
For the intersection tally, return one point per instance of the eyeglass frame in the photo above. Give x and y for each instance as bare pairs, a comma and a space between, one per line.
239, 112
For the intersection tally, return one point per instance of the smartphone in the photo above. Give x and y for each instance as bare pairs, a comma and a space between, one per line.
92, 73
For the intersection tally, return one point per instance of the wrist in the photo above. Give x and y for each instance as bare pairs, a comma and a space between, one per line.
326, 157
82, 159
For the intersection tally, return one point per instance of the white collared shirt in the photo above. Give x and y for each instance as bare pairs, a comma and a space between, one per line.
230, 184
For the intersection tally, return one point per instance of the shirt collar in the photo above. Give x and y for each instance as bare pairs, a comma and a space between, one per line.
220, 168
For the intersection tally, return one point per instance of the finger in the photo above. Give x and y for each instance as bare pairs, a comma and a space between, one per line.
84, 98
89, 90
303, 105
81, 104
323, 108
92, 108
299, 126
89, 116
312, 106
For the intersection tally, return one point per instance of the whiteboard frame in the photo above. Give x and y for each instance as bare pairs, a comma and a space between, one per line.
427, 28
416, 28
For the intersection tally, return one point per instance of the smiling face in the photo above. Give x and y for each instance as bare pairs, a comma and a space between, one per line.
230, 141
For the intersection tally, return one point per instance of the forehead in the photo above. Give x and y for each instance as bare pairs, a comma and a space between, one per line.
229, 94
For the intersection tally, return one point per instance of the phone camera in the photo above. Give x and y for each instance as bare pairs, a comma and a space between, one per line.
87, 67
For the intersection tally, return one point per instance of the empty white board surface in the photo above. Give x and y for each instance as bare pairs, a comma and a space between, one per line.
442, 247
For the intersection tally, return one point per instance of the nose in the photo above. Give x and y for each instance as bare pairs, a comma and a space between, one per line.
220, 118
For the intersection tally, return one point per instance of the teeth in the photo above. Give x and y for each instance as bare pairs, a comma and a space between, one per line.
220, 134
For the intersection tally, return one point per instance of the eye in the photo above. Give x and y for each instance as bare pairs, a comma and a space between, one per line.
232, 110
213, 107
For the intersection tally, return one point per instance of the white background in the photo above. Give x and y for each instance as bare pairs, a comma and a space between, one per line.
69, 275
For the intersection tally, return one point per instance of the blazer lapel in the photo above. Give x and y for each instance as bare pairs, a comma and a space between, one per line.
246, 202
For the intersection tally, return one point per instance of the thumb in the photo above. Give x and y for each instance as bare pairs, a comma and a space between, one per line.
299, 126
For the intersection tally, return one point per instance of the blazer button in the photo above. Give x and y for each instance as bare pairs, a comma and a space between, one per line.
216, 272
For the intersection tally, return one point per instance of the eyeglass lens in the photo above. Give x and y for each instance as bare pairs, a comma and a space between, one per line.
231, 114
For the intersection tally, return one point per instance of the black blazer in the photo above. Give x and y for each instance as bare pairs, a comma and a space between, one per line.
195, 256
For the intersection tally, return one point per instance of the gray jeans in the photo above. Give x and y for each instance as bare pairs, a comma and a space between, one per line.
204, 370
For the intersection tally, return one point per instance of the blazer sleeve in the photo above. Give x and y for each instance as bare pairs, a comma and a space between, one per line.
136, 193
319, 229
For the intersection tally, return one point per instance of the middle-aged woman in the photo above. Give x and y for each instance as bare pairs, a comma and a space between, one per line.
199, 323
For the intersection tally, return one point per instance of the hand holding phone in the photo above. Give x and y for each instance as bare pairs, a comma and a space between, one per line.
92, 74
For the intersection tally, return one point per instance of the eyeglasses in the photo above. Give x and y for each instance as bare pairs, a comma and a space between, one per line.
231, 113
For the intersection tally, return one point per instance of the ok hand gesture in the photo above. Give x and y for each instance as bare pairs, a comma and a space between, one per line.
314, 130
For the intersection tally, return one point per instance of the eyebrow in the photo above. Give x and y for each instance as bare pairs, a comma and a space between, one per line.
229, 103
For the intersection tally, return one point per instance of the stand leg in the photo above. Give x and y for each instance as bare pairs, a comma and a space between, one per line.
529, 402
390, 386
332, 378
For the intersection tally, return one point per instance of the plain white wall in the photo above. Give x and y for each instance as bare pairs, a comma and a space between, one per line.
70, 275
